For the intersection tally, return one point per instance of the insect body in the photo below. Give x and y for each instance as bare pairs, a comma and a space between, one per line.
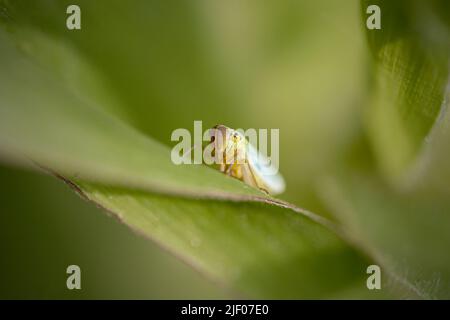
241, 160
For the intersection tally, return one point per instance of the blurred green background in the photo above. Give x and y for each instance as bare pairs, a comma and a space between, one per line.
304, 67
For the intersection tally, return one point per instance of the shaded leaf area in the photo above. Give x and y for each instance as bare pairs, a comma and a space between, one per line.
263, 250
411, 62
408, 234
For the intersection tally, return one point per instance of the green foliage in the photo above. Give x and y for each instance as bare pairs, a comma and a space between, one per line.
240, 244
95, 107
401, 215
411, 53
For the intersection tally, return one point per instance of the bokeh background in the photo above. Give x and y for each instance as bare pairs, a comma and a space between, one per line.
304, 67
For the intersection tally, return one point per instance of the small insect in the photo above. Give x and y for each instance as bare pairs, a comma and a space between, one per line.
243, 161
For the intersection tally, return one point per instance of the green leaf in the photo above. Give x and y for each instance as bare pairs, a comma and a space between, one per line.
411, 71
400, 216
406, 233
262, 250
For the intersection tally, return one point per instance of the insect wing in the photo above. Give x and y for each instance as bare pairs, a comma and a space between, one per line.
264, 171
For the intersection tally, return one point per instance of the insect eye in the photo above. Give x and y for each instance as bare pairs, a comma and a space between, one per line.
213, 138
